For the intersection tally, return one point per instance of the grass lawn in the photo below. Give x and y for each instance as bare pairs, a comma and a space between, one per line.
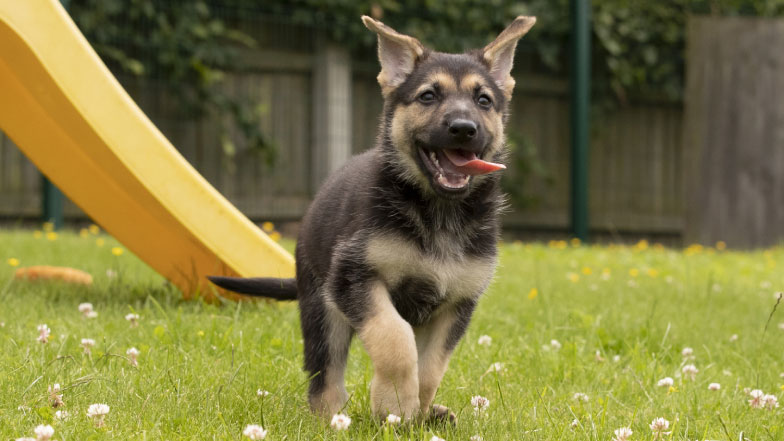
607, 322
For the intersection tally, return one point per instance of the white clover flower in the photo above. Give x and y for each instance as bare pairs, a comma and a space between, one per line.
62, 415
480, 403
658, 427
687, 352
87, 344
665, 382
133, 319
757, 399
485, 340
84, 308
733, 338
55, 396
781, 375
714, 386
27, 438
340, 421
690, 371
574, 424
393, 419
436, 438
622, 434
781, 326
598, 356
43, 333
495, 367
262, 393
98, 412
476, 438
579, 396
616, 358
770, 401
555, 344
254, 431
43, 433
133, 354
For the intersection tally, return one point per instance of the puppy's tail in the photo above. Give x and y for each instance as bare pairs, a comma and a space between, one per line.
278, 289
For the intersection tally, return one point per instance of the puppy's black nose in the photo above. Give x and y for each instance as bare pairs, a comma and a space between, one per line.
462, 129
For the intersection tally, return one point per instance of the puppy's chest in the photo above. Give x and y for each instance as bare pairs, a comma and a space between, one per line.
419, 283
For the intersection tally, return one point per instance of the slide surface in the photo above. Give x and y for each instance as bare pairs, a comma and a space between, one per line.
62, 106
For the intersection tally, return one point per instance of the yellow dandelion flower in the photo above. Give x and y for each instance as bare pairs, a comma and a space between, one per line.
672, 390
533, 293
653, 272
781, 387
275, 236
13, 261
693, 249
100, 242
587, 271
51, 235
83, 233
200, 333
117, 251
574, 278
94, 229
37, 234
641, 245
48, 226
721, 245
575, 241
634, 272
268, 227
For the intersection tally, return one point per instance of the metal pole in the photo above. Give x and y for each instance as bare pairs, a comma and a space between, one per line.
580, 83
52, 203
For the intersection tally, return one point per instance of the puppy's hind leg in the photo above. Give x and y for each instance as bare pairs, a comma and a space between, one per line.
326, 336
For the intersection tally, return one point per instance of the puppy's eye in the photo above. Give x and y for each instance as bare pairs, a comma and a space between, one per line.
484, 101
427, 97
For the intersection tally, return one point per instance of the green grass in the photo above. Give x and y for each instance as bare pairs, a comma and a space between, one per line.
200, 364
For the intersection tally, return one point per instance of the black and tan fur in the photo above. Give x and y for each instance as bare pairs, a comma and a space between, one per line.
385, 251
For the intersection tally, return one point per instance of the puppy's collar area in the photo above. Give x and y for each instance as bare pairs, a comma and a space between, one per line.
452, 169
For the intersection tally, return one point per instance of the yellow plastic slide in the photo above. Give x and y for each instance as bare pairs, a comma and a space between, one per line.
61, 105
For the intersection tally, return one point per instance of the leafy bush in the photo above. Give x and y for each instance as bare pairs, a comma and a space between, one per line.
182, 44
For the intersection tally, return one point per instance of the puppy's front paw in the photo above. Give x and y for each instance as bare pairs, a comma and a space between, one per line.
442, 414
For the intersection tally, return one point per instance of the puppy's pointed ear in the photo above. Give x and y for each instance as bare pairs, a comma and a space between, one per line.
397, 54
499, 55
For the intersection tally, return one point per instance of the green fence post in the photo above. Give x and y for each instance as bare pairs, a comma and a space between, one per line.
52, 203
580, 85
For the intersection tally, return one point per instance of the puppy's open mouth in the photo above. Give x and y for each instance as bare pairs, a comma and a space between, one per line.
452, 168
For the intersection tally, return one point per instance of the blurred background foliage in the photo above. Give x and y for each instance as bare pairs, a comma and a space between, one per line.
638, 46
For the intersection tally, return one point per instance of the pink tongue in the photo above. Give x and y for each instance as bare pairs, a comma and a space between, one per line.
468, 164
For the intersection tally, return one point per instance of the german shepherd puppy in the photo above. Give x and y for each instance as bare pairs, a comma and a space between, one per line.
399, 244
